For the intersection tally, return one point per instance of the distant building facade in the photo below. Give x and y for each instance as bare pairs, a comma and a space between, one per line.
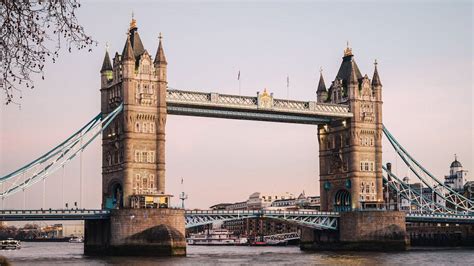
457, 176
469, 190
259, 201
257, 227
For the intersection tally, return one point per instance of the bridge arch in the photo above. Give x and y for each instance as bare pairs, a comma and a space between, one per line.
342, 200
115, 190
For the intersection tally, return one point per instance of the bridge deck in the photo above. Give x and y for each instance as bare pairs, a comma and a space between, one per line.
39, 215
260, 108
325, 220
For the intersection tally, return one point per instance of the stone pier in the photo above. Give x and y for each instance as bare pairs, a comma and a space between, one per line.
360, 230
137, 232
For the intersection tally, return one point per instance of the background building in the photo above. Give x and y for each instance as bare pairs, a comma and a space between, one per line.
457, 176
257, 227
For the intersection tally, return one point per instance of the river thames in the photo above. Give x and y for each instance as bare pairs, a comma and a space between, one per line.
72, 254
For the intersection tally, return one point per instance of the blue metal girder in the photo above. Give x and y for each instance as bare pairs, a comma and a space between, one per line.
256, 115
440, 218
40, 215
317, 220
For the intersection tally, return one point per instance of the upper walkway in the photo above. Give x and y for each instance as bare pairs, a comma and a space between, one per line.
263, 107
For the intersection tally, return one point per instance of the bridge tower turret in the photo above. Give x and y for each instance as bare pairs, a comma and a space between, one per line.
322, 92
134, 144
161, 67
106, 77
351, 149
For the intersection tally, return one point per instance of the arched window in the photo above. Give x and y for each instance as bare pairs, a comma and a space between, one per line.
145, 127
136, 184
137, 127
152, 181
152, 127
152, 157
342, 200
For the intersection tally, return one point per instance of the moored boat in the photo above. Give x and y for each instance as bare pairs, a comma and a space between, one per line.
10, 243
76, 240
216, 237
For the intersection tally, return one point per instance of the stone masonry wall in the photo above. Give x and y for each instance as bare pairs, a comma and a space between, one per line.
372, 226
127, 222
137, 232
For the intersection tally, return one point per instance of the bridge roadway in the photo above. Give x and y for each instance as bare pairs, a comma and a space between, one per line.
261, 108
314, 219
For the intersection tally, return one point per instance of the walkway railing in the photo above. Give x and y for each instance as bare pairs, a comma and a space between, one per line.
263, 107
53, 214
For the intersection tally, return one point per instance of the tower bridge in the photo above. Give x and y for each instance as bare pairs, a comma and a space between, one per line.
135, 102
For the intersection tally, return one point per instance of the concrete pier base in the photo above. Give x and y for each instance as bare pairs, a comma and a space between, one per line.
137, 232
360, 230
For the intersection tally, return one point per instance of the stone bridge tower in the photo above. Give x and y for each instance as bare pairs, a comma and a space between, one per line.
133, 154
350, 151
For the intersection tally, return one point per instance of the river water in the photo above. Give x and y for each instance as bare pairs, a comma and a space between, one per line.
71, 254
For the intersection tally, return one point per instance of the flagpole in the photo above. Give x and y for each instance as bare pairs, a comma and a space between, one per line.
240, 85
288, 87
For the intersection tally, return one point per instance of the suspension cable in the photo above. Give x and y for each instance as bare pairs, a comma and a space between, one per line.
453, 197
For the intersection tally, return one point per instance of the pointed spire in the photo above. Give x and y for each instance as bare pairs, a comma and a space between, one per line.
127, 53
376, 78
133, 22
348, 65
321, 85
106, 65
353, 77
160, 54
348, 50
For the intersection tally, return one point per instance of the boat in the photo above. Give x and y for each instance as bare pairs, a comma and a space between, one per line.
216, 237
75, 239
269, 243
10, 243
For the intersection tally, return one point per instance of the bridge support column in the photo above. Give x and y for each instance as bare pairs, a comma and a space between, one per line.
361, 230
137, 232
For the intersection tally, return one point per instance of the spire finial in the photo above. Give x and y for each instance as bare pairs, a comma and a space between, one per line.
375, 63
133, 23
160, 36
107, 46
455, 157
348, 50
321, 70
